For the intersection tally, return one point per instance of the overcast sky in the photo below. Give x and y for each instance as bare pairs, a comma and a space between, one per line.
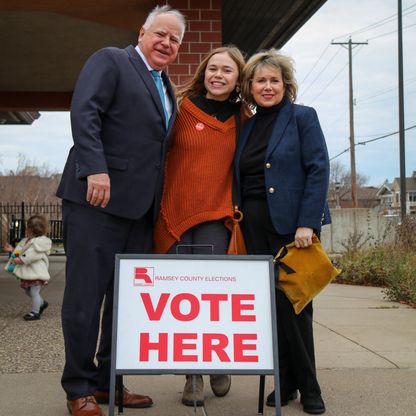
322, 74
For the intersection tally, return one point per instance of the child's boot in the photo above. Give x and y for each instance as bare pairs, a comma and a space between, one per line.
32, 316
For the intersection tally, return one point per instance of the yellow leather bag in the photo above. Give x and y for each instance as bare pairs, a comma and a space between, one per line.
303, 272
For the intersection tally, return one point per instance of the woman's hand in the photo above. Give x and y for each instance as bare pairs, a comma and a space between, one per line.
303, 237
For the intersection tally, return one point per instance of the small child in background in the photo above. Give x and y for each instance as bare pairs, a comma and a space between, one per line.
30, 261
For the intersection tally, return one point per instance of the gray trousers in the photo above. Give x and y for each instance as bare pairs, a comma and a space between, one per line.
208, 238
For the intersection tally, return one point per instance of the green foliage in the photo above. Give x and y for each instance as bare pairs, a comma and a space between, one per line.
391, 265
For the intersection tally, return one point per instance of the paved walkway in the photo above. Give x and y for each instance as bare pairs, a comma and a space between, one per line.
365, 346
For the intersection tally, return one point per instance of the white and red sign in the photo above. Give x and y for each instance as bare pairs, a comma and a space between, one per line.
200, 314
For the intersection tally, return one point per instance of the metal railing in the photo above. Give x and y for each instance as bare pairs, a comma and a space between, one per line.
14, 216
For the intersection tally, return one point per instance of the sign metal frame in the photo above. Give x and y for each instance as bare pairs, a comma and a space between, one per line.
268, 279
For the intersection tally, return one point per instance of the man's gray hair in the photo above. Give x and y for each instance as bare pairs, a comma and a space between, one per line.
166, 9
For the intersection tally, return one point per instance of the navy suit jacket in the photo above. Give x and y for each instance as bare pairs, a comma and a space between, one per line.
296, 169
118, 128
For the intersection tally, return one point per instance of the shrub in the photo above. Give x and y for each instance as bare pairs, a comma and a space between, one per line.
389, 265
401, 281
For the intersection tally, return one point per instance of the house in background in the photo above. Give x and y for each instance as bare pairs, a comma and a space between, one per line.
367, 197
385, 194
389, 194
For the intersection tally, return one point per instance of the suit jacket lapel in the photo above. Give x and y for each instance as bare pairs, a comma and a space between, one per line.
145, 75
172, 97
285, 114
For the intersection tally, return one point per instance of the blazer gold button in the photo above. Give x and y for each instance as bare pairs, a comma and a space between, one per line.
268, 165
271, 190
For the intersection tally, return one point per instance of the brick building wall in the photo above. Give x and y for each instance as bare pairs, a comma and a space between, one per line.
203, 33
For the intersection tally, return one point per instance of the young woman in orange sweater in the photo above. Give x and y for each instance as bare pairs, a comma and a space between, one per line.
197, 195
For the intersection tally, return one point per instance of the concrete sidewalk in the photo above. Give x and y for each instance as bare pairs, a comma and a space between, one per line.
365, 347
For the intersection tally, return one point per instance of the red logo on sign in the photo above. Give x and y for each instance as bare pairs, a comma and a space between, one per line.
144, 276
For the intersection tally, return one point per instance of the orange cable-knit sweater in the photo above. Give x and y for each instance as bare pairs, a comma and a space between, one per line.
198, 174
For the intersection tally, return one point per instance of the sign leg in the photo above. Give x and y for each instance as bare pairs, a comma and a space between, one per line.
261, 395
119, 383
112, 393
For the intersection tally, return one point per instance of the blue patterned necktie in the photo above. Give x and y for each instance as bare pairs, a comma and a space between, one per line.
159, 86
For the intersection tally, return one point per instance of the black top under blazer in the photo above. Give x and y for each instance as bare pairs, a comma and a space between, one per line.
118, 128
296, 169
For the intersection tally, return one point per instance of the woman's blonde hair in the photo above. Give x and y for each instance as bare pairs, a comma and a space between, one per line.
196, 86
272, 58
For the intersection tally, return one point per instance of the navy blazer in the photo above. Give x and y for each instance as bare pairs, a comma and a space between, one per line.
118, 127
296, 169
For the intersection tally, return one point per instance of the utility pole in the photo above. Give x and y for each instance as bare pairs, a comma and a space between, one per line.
352, 137
401, 114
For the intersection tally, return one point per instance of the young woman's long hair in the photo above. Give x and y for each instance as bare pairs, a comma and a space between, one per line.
195, 86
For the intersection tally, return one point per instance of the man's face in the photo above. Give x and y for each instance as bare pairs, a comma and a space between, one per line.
160, 42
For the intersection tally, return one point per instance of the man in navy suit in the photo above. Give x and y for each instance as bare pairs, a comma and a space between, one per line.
111, 188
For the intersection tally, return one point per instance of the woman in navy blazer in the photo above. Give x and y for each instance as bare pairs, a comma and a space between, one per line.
282, 172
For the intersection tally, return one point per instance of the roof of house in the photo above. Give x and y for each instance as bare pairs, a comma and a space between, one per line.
385, 189
410, 183
367, 192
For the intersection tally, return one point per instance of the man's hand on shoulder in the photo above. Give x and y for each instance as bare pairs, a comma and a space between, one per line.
98, 192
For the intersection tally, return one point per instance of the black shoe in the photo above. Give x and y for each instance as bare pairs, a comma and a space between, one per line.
313, 405
43, 307
284, 398
32, 316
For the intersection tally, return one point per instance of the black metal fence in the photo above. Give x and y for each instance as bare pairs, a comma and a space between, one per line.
14, 217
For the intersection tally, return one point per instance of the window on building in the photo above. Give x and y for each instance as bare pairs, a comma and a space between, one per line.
386, 201
412, 196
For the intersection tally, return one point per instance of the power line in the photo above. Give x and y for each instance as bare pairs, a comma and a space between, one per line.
384, 136
389, 33
411, 92
340, 116
316, 63
333, 79
371, 140
320, 73
384, 91
329, 83
379, 22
